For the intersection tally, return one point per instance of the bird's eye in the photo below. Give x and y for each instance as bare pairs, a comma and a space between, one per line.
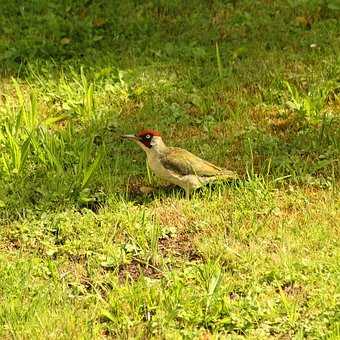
147, 136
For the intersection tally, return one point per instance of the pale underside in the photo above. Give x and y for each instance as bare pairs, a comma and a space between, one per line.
182, 168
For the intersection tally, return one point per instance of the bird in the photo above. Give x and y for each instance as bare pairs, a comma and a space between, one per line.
177, 166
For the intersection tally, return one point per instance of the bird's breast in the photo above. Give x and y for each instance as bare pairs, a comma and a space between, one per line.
157, 167
184, 181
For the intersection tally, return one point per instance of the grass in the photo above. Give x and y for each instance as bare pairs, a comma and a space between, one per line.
93, 245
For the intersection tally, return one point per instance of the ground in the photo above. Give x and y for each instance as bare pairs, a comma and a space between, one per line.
92, 245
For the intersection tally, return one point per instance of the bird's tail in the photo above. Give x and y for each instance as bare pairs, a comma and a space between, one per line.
228, 175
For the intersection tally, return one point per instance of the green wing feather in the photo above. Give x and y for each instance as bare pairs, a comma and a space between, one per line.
185, 163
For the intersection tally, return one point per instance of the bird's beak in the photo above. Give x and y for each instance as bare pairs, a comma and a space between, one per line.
130, 137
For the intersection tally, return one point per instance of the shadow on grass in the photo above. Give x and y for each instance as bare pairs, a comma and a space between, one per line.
130, 33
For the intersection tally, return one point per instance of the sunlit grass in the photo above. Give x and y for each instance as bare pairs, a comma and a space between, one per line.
92, 245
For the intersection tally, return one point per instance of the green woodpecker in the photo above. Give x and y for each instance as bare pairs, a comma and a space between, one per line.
176, 165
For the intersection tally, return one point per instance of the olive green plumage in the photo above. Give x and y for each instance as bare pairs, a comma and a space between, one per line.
185, 163
176, 165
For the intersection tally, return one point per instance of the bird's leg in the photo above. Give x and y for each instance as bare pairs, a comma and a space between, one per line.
187, 193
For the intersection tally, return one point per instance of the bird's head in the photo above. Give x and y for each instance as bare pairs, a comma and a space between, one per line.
146, 139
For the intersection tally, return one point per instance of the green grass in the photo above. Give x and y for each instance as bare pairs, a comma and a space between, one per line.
92, 245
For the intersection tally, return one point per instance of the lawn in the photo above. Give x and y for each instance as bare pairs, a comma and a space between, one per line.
93, 246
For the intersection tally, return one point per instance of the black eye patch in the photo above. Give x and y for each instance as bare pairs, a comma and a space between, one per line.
146, 140
146, 137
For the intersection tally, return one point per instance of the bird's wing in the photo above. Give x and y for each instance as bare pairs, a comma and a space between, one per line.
184, 163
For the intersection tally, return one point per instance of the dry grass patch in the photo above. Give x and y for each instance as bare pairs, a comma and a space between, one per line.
135, 269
